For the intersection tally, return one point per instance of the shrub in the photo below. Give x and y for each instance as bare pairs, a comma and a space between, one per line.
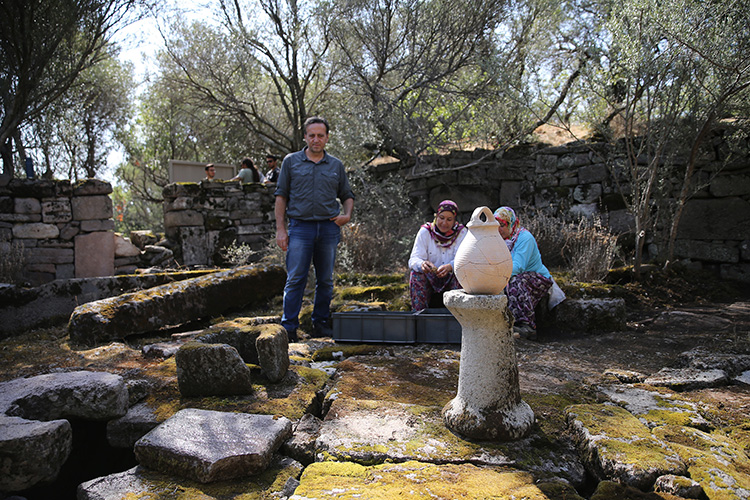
584, 248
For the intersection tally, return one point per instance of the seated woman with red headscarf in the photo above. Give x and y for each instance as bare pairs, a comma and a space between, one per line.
530, 279
431, 260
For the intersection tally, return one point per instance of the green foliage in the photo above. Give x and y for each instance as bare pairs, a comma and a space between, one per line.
133, 214
381, 234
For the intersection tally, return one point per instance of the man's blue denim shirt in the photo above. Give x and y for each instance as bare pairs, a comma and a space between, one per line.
311, 188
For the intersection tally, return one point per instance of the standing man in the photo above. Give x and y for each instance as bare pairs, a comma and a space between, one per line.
273, 175
309, 183
210, 172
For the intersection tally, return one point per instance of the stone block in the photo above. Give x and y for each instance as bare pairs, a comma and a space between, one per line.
730, 185
92, 207
730, 219
124, 248
20, 217
57, 210
180, 203
546, 164
92, 226
587, 193
95, 254
90, 187
273, 352
593, 173
710, 251
183, 218
65, 271
27, 206
6, 205
510, 193
212, 370
36, 230
193, 246
39, 255
69, 231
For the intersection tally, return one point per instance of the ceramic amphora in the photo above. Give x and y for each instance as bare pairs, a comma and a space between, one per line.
483, 264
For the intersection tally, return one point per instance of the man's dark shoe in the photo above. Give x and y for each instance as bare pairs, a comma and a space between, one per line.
322, 329
292, 334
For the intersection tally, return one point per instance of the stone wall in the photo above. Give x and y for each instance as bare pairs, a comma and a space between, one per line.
65, 230
575, 180
201, 219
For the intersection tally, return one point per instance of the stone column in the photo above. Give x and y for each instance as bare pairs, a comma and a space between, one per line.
488, 405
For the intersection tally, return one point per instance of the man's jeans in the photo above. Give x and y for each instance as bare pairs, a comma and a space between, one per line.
316, 242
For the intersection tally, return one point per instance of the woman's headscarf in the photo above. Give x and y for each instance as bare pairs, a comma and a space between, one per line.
508, 215
441, 239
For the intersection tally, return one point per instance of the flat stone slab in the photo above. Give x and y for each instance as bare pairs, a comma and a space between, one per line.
208, 446
616, 445
140, 482
378, 431
687, 379
414, 480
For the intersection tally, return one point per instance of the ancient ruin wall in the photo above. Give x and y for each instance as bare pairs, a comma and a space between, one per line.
575, 180
64, 230
201, 219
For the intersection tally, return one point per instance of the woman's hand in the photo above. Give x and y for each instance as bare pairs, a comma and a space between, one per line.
444, 270
428, 267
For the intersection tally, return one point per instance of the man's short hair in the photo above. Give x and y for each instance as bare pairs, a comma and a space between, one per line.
312, 120
271, 156
208, 166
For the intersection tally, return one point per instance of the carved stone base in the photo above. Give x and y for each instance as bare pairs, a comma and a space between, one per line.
488, 404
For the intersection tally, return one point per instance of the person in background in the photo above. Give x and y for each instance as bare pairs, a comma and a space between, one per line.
210, 172
272, 176
431, 259
248, 173
306, 193
530, 279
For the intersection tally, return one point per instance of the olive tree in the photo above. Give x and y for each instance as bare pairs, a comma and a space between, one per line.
44, 46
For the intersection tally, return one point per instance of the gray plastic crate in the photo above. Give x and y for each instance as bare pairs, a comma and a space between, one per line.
437, 326
374, 326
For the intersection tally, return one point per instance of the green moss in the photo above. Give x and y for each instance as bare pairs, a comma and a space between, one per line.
414, 480
292, 397
609, 490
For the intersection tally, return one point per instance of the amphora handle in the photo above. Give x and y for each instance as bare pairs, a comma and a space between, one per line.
477, 221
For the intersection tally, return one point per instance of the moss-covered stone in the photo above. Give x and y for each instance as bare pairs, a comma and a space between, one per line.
414, 480
616, 445
714, 460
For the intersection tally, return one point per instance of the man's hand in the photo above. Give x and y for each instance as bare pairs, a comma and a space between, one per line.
282, 239
341, 219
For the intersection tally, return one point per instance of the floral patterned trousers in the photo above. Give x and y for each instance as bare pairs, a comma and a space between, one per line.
524, 292
422, 286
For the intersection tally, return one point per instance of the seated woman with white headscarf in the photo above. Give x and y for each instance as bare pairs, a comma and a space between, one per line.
530, 279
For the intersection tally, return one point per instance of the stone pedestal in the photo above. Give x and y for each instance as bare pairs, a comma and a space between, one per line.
488, 405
